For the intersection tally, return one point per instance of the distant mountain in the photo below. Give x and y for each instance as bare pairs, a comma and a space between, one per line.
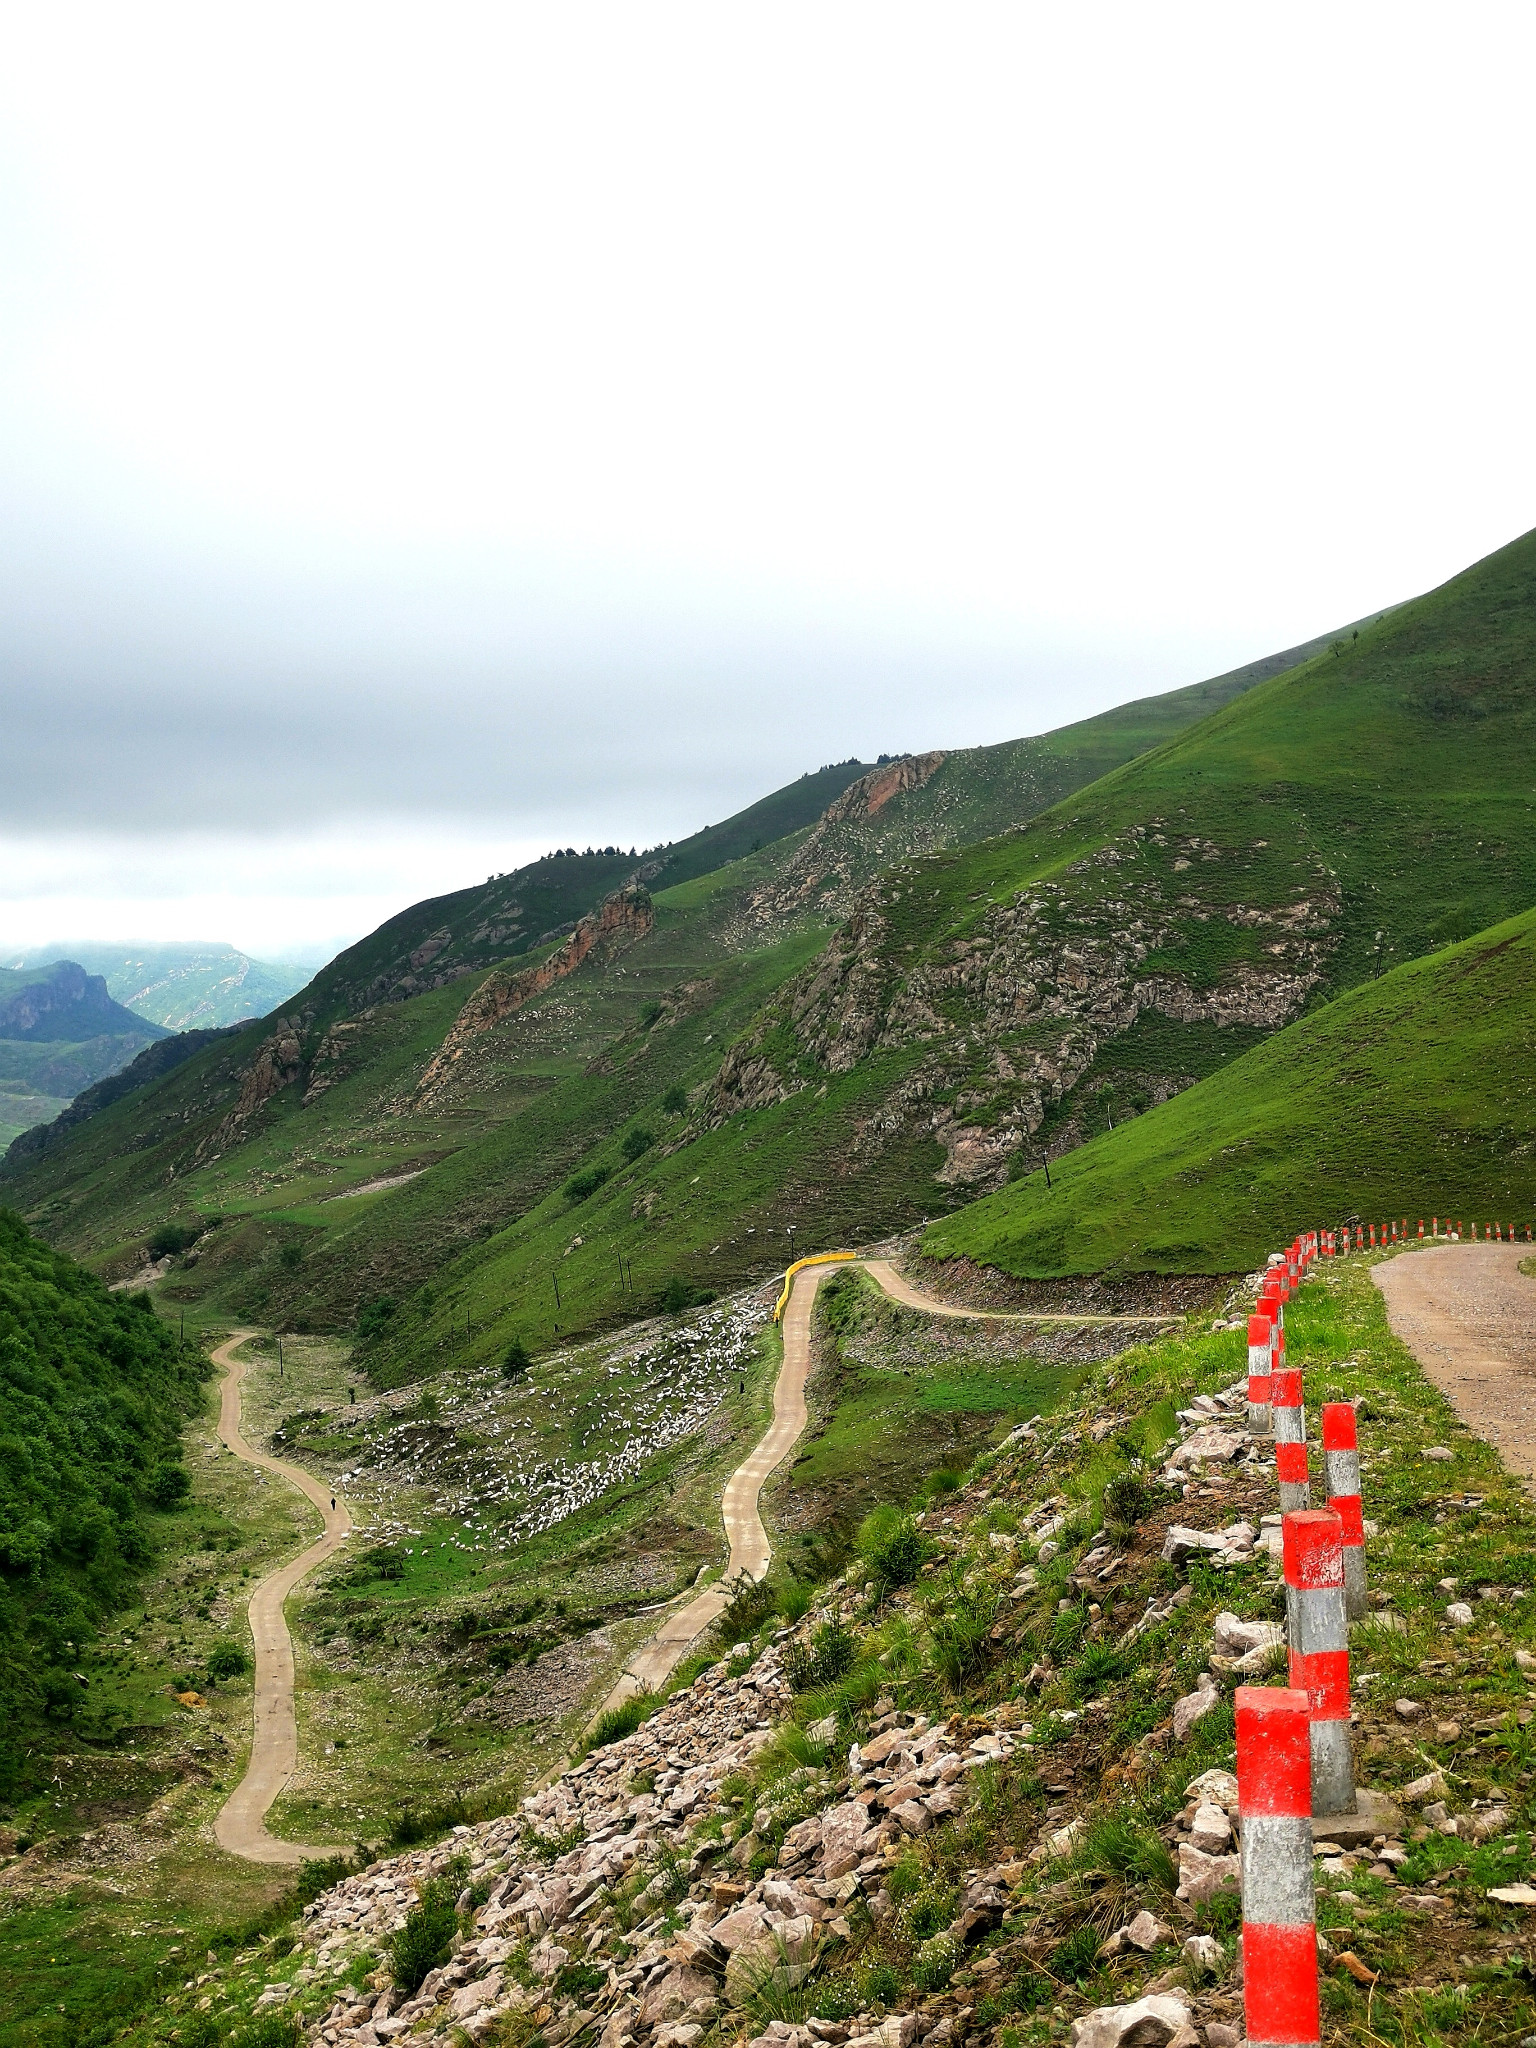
60, 1031
199, 984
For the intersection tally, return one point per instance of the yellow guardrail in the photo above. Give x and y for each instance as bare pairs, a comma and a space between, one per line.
818, 1259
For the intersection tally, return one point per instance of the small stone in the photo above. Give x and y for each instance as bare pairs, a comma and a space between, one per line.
1430, 1786
1146, 1931
1194, 1706
1212, 1831
1202, 1877
1408, 1710
1150, 2022
1459, 1614
1204, 1953
1447, 1731
1439, 1453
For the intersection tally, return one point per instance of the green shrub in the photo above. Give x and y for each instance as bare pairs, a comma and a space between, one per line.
935, 1962
291, 1257
830, 1652
636, 1141
942, 1481
1100, 1665
270, 2030
1076, 1959
581, 1185
621, 1720
373, 1316
201, 2030
680, 1293
794, 1600
751, 1604
171, 1239
1127, 1501
515, 1360
675, 1101
893, 1548
167, 1486
227, 1660
959, 1633
425, 1942
1127, 1849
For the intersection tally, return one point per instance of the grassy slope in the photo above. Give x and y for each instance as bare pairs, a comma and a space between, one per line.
985, 790
554, 1084
1410, 1095
1391, 784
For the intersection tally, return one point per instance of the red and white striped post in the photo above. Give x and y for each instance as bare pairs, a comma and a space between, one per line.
1281, 2008
1434, 1226
1260, 1338
1341, 1467
1288, 1419
1313, 1544
1421, 1230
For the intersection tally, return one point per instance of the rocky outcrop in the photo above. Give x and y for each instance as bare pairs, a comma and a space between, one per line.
624, 917
333, 1058
1010, 1013
275, 1065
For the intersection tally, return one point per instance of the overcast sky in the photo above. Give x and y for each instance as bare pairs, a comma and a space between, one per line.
431, 434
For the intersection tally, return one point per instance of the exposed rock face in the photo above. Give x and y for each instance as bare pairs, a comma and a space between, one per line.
1009, 1013
331, 1062
625, 916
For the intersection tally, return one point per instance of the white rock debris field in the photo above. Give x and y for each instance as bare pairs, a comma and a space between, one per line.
628, 1401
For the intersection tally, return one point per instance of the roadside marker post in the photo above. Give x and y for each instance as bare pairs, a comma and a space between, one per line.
1341, 1468
1288, 1419
1281, 2006
1260, 1340
1313, 1544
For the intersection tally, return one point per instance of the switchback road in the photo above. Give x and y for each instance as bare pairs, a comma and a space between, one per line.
241, 1827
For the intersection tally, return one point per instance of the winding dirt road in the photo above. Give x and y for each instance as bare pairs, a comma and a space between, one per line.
1468, 1315
241, 1827
751, 1552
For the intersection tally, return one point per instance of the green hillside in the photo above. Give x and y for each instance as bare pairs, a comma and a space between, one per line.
340, 1183
93, 1394
1414, 1095
1361, 810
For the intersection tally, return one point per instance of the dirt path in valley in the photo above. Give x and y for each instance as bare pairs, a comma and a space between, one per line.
1468, 1315
751, 1552
750, 1549
241, 1826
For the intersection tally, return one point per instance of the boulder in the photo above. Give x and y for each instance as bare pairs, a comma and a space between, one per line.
1150, 2022
1216, 1446
1204, 1953
1194, 1706
1181, 1543
1212, 1831
742, 1925
1146, 1931
671, 1995
1218, 1788
1202, 1877
1250, 1645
